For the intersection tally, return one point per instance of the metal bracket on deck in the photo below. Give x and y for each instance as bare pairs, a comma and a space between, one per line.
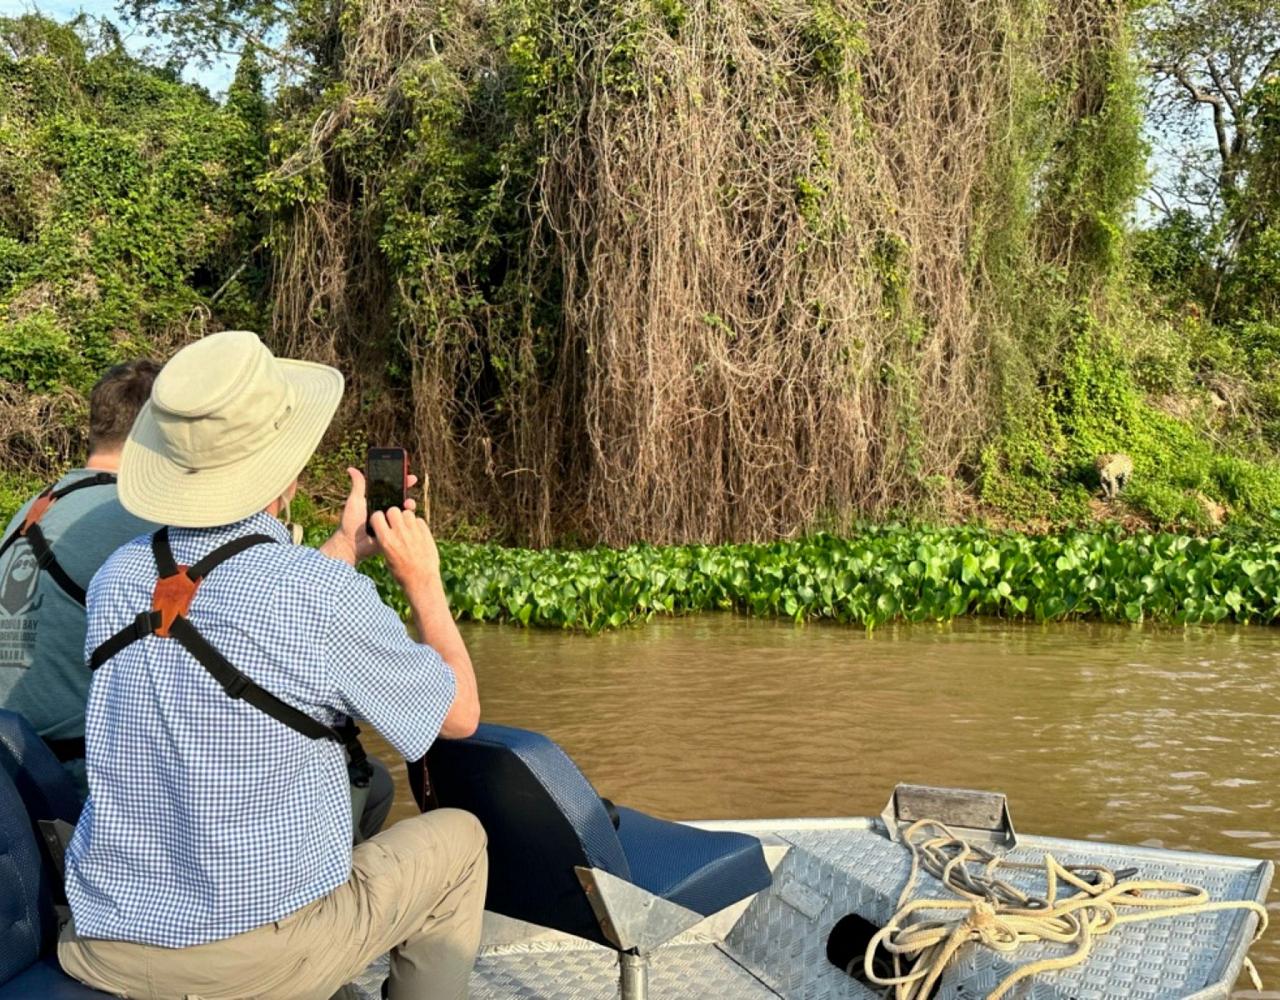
632, 918
636, 922
962, 809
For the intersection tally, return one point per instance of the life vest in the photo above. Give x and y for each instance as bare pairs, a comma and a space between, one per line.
31, 531
175, 588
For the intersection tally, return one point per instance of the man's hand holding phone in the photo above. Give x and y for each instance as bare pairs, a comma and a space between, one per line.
392, 525
407, 544
354, 541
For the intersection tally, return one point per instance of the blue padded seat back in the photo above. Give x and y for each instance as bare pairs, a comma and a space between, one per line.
21, 930
46, 981
542, 818
46, 788
47, 792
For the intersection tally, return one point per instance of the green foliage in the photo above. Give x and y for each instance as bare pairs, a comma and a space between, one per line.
121, 183
432, 223
15, 490
122, 207
1045, 471
38, 353
1173, 255
881, 575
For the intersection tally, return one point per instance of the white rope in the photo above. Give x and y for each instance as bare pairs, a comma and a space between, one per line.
925, 934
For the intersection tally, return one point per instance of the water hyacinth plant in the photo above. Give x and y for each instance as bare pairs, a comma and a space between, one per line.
883, 574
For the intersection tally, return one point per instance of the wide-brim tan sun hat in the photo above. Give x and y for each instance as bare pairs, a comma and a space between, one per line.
228, 427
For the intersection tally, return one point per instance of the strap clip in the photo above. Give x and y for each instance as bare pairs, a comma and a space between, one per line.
235, 688
145, 624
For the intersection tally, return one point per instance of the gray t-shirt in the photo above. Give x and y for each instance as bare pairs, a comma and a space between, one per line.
42, 668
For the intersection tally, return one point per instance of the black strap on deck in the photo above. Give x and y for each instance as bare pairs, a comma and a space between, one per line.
30, 530
233, 681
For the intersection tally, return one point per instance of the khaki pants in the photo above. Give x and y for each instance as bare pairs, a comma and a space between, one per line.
416, 890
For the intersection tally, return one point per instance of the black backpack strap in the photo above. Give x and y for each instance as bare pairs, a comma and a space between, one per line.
166, 565
12, 537
97, 479
30, 530
149, 622
238, 685
218, 556
162, 552
144, 625
44, 498
48, 562
235, 683
359, 770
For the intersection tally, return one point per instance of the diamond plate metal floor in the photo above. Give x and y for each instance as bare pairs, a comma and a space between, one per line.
775, 945
588, 972
687, 971
827, 875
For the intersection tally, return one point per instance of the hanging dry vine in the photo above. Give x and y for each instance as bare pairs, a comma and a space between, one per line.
676, 269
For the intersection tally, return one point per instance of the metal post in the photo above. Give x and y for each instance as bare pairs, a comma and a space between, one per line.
633, 983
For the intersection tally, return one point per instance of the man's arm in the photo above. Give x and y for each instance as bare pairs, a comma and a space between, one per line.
410, 550
437, 628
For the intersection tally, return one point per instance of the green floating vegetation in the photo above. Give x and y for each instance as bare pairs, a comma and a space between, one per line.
881, 575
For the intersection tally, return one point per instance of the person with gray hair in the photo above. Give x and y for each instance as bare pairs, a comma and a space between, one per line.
213, 857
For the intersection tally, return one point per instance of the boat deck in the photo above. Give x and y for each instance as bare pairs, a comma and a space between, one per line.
774, 944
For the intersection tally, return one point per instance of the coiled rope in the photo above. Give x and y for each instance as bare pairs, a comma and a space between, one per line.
994, 913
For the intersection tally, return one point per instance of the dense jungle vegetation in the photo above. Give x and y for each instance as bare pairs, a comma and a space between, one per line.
688, 271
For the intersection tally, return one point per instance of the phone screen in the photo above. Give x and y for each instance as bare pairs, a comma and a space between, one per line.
385, 486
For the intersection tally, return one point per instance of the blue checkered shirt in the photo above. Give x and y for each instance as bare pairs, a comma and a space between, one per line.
206, 817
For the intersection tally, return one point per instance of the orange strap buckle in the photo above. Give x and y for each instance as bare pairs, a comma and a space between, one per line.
172, 597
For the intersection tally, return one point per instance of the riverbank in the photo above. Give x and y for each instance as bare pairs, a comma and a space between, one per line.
882, 574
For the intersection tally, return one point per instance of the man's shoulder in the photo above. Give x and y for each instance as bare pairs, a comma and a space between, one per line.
96, 512
317, 570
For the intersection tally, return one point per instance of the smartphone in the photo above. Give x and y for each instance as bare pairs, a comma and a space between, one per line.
387, 472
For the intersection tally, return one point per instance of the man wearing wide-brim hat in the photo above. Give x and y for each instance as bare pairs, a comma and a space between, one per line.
213, 858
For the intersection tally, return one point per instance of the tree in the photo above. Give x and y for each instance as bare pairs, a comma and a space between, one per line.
1219, 60
290, 36
1207, 59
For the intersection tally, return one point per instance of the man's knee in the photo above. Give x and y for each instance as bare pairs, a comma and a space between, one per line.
449, 836
461, 828
467, 843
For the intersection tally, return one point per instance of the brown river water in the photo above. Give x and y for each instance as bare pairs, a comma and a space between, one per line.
1161, 737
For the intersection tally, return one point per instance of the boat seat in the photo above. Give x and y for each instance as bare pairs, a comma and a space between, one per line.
556, 858
28, 927
45, 786
702, 871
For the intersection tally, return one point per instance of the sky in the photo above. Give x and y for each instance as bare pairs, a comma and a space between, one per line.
216, 78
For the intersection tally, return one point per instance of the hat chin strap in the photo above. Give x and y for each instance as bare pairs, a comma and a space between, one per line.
295, 530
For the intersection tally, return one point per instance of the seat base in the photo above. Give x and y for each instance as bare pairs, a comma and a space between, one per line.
47, 981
